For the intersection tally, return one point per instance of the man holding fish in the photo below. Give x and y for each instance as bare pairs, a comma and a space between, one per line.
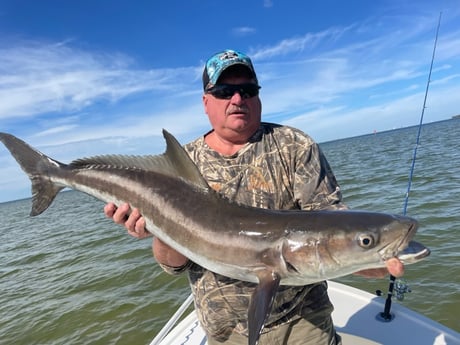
262, 165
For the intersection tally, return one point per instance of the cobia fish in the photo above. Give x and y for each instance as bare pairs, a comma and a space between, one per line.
267, 247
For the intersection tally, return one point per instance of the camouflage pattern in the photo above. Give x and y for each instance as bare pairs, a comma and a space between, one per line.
279, 168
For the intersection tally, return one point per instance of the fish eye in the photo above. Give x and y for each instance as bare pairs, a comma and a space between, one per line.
366, 241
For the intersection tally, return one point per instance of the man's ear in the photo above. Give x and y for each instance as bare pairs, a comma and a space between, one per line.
205, 103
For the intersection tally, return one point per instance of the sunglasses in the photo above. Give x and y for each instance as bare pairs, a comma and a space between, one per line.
226, 91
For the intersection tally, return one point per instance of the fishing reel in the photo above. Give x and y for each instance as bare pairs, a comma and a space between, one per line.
400, 288
397, 288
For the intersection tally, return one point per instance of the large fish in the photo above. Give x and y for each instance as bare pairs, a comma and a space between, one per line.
267, 247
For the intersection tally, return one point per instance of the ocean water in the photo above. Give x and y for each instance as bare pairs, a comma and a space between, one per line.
70, 276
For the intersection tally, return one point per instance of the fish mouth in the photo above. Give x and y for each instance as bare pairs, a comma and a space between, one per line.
395, 248
407, 251
414, 252
407, 238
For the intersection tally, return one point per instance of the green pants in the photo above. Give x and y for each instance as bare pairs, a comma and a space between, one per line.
298, 332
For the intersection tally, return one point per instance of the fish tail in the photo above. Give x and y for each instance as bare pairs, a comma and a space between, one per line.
37, 166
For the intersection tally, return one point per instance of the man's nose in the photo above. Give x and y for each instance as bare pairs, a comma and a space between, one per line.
237, 98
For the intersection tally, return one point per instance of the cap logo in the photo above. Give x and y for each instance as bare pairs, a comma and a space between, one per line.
228, 55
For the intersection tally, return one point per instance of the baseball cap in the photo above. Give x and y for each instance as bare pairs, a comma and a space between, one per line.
219, 62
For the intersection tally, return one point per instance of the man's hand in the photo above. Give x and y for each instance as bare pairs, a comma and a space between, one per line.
135, 224
394, 267
131, 219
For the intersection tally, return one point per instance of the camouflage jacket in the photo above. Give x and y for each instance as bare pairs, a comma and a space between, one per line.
279, 168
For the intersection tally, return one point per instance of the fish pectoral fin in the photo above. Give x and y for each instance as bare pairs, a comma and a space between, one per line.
261, 304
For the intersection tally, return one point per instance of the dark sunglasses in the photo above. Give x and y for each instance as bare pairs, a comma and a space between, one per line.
226, 91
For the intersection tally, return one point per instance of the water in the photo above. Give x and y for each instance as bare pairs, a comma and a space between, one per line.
70, 276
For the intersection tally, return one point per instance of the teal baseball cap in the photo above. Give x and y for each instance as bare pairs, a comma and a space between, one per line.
219, 62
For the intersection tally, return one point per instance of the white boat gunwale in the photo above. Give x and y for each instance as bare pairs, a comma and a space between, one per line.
356, 318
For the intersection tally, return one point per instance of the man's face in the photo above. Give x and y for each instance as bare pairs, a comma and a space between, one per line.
236, 118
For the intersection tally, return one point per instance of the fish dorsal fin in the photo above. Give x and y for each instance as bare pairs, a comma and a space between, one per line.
174, 162
180, 161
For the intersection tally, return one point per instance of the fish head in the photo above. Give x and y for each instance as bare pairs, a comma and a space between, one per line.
348, 242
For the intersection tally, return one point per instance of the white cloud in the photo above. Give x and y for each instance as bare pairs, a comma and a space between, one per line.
40, 78
268, 3
287, 46
243, 31
334, 83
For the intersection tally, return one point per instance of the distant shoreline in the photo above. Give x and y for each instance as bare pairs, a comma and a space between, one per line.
455, 117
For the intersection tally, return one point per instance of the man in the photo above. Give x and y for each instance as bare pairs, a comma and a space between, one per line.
262, 165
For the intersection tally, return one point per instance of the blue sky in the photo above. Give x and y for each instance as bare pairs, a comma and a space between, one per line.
79, 78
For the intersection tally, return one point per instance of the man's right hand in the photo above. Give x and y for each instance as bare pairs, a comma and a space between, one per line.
135, 224
131, 219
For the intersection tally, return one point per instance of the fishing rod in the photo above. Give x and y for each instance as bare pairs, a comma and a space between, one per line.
386, 314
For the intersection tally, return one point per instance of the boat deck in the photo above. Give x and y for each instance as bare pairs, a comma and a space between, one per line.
356, 320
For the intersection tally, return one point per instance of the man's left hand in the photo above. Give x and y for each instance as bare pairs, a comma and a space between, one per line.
394, 267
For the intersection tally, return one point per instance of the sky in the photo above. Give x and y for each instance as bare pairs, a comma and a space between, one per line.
87, 77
